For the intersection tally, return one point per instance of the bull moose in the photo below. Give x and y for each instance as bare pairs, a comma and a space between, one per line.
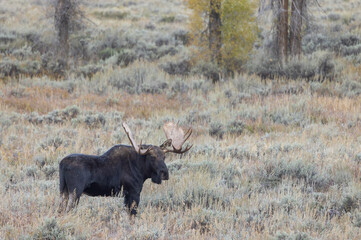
121, 168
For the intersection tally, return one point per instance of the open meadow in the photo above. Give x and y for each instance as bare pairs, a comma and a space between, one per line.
272, 159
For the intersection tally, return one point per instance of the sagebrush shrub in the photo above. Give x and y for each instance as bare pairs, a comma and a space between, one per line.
50, 230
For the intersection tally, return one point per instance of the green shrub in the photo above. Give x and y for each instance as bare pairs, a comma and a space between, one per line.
207, 69
207, 166
39, 160
176, 65
126, 57
147, 234
167, 19
334, 16
356, 219
31, 171
6, 120
325, 65
302, 236
350, 50
358, 158
146, 50
320, 89
108, 39
94, 120
295, 236
128, 46
299, 69
54, 117
235, 152
181, 36
202, 84
349, 203
319, 64
190, 197
342, 177
216, 129
179, 86
275, 171
195, 116
321, 42
137, 78
235, 127
111, 14
67, 85
335, 28
231, 176
9, 68
346, 40
349, 88
50, 141
50, 230
288, 204
316, 41
49, 170
163, 40
286, 117
107, 53
263, 66
55, 67
88, 70
79, 45
289, 88
71, 112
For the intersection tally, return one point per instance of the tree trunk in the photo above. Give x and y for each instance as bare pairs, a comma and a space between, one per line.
296, 27
276, 32
62, 22
215, 33
281, 33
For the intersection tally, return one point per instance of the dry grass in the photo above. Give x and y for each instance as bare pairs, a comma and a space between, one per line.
46, 99
265, 164
282, 177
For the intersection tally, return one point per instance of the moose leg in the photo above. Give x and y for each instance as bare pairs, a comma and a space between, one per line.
75, 188
73, 200
131, 201
63, 202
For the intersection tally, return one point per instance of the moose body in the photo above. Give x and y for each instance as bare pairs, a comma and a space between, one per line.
121, 169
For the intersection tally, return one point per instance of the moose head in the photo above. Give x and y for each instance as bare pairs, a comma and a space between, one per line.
155, 155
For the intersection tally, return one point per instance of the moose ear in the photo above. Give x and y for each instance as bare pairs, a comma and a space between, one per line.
166, 144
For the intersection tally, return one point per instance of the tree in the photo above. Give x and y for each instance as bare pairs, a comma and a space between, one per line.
215, 31
288, 33
281, 37
62, 22
239, 32
67, 17
223, 31
297, 13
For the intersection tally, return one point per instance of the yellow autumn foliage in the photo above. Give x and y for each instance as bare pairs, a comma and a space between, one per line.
239, 31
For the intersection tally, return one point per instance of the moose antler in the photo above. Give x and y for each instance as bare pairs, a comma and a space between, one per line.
134, 144
176, 134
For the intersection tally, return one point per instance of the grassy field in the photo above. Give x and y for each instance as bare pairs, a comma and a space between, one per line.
274, 159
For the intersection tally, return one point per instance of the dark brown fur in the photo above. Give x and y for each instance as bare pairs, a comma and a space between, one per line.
120, 168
